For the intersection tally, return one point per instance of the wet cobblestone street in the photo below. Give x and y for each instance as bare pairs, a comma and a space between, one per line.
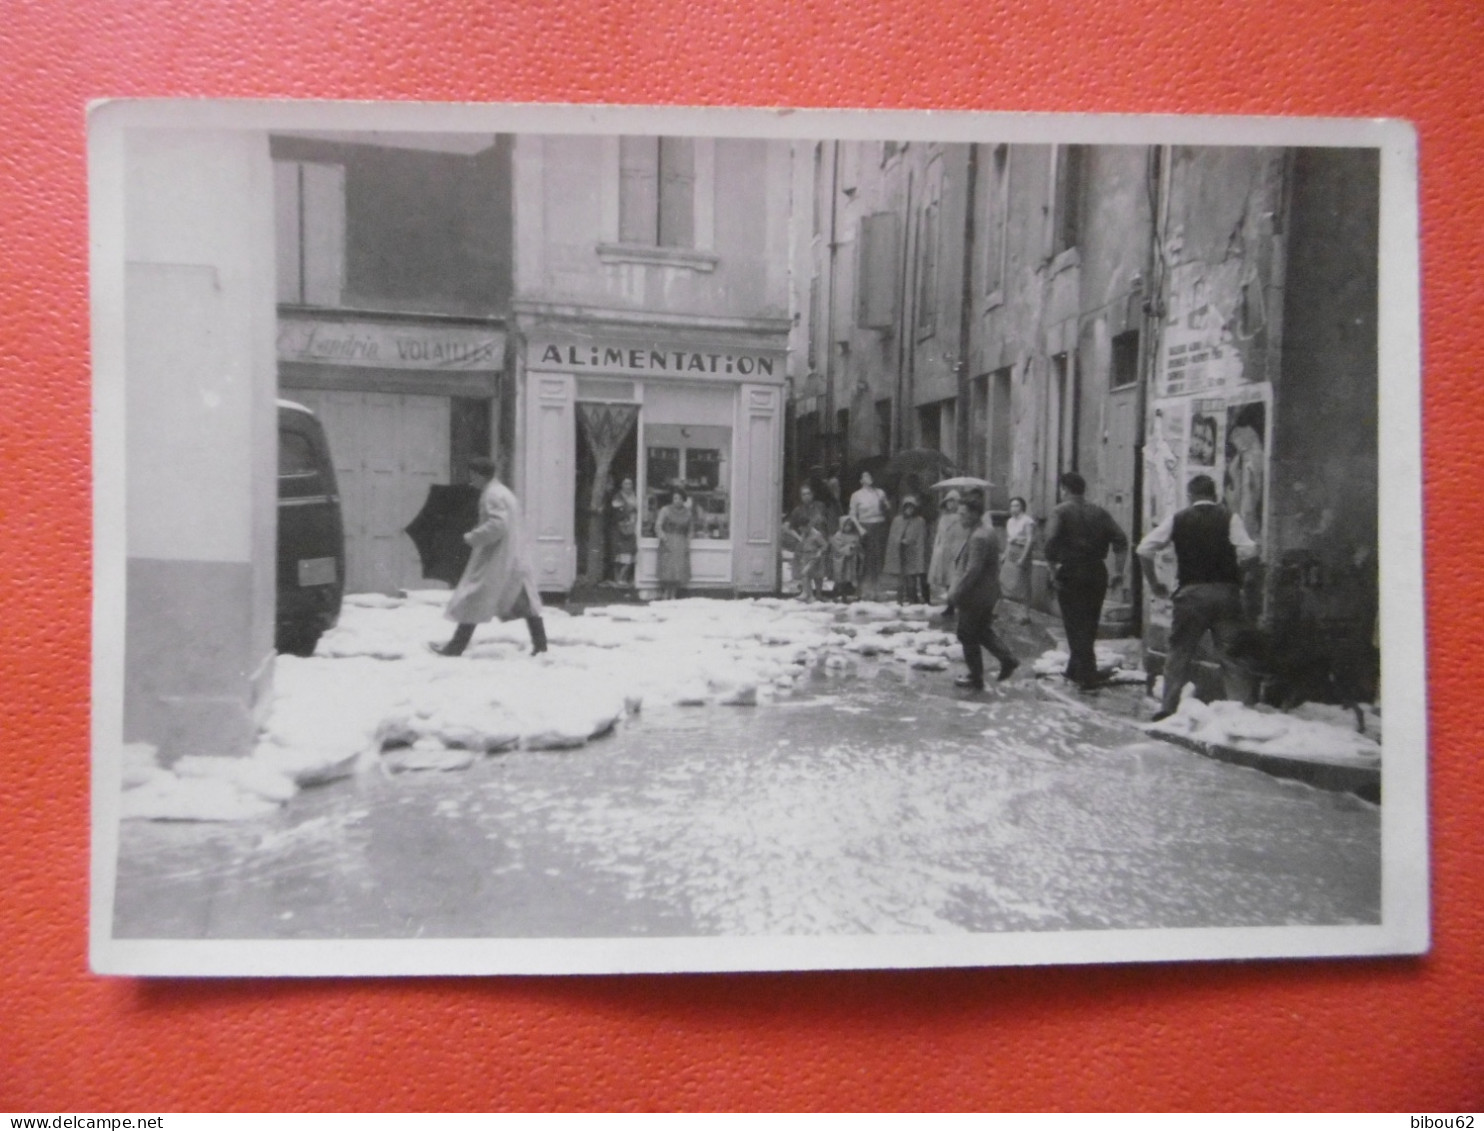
884, 802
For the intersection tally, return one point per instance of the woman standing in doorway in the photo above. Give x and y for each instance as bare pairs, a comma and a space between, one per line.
870, 509
674, 527
1015, 570
624, 510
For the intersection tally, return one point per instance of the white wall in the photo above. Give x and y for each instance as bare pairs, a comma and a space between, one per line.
200, 436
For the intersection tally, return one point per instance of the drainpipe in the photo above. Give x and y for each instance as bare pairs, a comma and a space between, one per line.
827, 296
1273, 281
966, 313
1157, 183
906, 325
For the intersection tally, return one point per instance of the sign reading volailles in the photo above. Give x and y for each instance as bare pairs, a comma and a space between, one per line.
386, 346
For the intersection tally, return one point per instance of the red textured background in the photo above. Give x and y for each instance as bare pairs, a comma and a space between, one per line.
1402, 1034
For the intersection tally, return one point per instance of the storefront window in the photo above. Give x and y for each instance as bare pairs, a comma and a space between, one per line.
697, 459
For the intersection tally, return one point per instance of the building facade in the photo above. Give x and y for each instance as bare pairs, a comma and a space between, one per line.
590, 309
394, 276
193, 363
586, 309
651, 332
880, 262
1138, 314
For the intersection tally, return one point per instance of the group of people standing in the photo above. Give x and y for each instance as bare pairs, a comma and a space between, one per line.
848, 551
855, 548
966, 564
972, 565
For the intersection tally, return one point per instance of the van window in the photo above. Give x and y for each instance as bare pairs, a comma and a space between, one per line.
296, 455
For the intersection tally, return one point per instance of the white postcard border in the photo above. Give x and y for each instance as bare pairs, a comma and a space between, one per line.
1404, 927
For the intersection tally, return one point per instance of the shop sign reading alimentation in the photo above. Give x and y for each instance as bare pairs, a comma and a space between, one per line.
620, 357
375, 345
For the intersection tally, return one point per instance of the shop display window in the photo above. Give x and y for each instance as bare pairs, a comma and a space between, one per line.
696, 458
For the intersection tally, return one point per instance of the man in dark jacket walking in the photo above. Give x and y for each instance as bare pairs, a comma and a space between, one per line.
976, 593
1078, 538
1211, 546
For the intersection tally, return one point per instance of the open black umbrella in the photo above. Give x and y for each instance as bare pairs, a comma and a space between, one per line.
451, 510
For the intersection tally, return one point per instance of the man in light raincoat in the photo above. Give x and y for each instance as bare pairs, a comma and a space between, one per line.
498, 581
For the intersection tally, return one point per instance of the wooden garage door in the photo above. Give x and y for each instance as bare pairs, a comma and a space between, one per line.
388, 449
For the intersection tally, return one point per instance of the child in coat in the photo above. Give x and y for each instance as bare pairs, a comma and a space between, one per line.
845, 556
811, 559
906, 553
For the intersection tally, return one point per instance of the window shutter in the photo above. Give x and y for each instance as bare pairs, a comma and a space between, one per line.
816, 324
927, 261
996, 221
324, 233
286, 231
677, 206
1068, 198
638, 190
878, 268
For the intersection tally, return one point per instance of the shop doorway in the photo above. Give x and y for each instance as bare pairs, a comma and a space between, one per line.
606, 516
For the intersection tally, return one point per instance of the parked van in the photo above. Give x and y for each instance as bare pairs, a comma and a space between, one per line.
311, 538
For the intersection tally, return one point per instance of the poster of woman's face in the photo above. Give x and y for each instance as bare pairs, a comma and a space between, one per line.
1204, 431
1246, 465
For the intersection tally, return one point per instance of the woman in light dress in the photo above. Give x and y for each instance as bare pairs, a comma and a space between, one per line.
870, 509
1015, 567
674, 527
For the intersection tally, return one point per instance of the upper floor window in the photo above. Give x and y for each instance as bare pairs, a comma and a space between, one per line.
877, 267
816, 323
927, 267
1066, 200
309, 220
1124, 367
820, 188
996, 223
657, 191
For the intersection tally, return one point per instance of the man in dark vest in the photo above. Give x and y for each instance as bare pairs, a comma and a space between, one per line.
1079, 535
1211, 547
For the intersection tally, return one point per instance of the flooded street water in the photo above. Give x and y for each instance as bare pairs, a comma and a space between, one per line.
883, 802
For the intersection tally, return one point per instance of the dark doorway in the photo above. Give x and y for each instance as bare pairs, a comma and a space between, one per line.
469, 433
883, 427
1000, 438
929, 427
605, 433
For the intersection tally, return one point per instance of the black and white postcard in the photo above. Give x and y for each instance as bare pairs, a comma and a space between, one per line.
544, 539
